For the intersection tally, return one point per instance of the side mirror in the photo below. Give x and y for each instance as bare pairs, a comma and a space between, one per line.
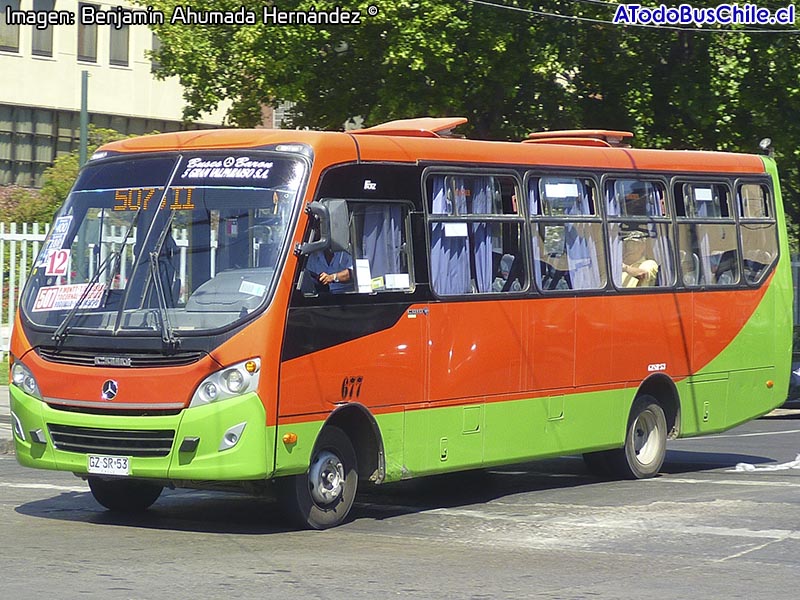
338, 225
334, 226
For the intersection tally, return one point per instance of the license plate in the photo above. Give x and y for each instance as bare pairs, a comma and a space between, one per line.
109, 465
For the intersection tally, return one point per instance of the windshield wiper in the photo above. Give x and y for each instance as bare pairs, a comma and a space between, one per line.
167, 333
60, 333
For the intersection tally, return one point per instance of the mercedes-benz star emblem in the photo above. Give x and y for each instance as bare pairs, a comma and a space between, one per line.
110, 389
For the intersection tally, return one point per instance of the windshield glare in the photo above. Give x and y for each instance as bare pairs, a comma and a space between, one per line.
214, 224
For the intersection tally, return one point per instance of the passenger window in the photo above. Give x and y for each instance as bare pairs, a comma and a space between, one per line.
378, 259
757, 230
640, 245
380, 247
567, 240
636, 198
707, 241
753, 201
475, 233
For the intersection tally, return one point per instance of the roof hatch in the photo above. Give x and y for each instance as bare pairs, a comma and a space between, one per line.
429, 127
582, 137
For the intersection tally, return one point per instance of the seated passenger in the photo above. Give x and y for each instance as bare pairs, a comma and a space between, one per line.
504, 281
637, 270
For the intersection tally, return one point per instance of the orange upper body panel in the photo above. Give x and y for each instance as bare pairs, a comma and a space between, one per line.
332, 148
508, 349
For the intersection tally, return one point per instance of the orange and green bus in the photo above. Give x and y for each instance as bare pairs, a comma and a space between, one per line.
301, 313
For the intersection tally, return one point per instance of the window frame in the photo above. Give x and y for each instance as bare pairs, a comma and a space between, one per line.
13, 31
517, 218
664, 222
683, 220
770, 220
118, 35
42, 39
93, 32
354, 293
562, 220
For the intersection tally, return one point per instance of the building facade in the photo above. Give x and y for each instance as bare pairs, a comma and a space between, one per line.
40, 83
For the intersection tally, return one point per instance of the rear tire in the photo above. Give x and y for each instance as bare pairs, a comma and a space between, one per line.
645, 442
124, 495
323, 496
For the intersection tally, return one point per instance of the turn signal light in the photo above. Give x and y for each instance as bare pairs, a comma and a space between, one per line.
770, 383
289, 438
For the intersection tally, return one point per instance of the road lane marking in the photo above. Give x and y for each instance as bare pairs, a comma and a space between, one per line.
44, 486
739, 435
784, 484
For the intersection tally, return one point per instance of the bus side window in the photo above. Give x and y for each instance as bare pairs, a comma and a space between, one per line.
567, 240
475, 232
757, 231
379, 258
640, 244
707, 241
381, 252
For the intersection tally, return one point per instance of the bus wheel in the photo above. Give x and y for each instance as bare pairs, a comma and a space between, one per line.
124, 495
323, 496
645, 442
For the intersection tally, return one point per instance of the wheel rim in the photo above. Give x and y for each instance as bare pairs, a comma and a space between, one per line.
326, 478
646, 442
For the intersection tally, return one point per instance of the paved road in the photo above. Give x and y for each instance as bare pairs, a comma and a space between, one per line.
544, 530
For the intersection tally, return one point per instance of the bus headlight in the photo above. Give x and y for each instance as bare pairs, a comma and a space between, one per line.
22, 377
228, 382
234, 381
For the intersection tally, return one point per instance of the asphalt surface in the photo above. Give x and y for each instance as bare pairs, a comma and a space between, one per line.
719, 522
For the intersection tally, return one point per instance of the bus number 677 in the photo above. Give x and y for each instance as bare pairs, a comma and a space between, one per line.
351, 386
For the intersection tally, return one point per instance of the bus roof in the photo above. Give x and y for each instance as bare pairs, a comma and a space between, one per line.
410, 141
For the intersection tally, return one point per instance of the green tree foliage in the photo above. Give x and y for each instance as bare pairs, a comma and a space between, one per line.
412, 58
509, 70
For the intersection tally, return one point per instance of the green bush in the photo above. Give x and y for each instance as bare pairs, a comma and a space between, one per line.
24, 205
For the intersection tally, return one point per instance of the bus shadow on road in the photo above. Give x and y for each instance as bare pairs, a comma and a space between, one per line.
461, 489
178, 510
684, 461
226, 513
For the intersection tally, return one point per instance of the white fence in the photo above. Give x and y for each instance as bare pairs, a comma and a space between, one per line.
19, 247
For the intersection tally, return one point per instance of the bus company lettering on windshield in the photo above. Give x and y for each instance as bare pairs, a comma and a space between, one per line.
686, 14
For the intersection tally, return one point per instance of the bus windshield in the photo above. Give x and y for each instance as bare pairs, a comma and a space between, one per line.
192, 241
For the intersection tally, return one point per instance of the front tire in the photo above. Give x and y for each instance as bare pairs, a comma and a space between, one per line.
323, 496
124, 495
645, 442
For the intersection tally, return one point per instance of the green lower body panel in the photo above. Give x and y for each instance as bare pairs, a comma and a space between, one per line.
246, 455
494, 433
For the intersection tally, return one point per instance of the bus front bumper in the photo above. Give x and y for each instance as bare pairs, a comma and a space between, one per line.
223, 441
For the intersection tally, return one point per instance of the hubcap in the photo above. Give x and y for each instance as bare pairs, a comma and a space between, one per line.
645, 438
326, 478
